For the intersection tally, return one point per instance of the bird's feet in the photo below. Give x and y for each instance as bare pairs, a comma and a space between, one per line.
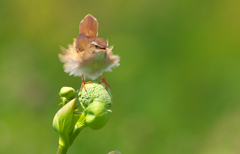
105, 82
83, 84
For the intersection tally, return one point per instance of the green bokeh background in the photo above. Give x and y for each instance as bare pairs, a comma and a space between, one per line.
177, 90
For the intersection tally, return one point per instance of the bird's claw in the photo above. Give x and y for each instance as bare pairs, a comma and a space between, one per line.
105, 82
83, 84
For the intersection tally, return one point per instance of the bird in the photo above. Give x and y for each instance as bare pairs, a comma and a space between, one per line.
89, 56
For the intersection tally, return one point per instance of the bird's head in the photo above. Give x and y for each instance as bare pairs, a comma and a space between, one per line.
98, 45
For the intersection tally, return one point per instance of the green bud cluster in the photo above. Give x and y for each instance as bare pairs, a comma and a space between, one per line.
96, 103
69, 121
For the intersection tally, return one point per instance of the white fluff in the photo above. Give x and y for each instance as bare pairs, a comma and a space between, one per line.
91, 66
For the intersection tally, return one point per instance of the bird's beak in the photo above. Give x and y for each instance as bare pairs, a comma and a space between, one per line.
105, 48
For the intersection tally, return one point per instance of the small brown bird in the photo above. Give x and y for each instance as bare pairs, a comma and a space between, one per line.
89, 56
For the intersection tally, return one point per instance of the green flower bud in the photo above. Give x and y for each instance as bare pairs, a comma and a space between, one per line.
96, 103
97, 115
63, 122
67, 94
95, 92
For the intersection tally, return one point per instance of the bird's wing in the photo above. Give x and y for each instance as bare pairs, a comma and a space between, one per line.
89, 26
82, 42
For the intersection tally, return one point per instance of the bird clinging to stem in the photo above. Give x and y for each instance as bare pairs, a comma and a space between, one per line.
88, 56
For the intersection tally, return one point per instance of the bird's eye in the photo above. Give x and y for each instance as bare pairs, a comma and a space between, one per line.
98, 47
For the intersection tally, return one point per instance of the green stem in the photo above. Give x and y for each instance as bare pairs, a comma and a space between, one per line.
74, 135
80, 124
62, 150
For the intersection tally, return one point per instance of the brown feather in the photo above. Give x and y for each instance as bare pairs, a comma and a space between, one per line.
82, 42
89, 26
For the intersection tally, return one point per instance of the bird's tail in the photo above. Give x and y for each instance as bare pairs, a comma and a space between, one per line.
89, 26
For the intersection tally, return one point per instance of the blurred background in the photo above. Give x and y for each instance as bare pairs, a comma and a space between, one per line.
175, 92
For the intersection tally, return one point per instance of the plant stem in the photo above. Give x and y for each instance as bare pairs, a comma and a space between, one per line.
74, 135
62, 150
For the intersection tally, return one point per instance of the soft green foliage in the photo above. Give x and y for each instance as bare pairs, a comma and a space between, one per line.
176, 90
